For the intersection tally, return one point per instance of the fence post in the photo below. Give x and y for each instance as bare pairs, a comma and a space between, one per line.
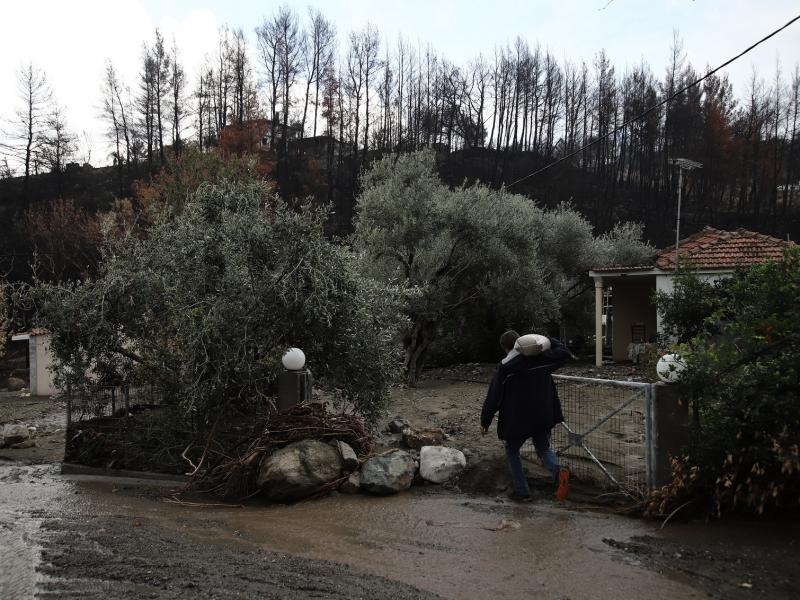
127, 395
650, 437
113, 401
671, 421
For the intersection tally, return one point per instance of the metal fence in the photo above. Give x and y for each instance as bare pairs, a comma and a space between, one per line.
608, 434
98, 401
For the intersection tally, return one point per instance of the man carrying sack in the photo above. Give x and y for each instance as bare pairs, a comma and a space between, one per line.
523, 392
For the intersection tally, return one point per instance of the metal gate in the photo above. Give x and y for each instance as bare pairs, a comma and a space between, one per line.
608, 434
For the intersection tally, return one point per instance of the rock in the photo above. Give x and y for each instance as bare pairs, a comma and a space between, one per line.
397, 425
438, 464
352, 485
299, 470
29, 443
15, 384
14, 434
418, 438
388, 474
349, 458
389, 440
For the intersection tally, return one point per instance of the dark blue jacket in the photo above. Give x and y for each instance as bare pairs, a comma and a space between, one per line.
522, 390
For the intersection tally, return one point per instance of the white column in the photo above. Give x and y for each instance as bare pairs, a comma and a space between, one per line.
598, 321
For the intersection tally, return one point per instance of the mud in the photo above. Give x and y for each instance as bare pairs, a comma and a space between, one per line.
121, 539
89, 536
46, 414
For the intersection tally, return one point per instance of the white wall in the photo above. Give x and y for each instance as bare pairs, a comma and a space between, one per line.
41, 362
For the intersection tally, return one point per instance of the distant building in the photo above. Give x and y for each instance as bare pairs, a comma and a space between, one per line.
625, 314
40, 361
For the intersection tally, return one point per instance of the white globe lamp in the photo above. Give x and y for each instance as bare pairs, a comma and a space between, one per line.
294, 359
670, 367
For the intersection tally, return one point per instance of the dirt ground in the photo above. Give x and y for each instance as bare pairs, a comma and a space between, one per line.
47, 415
84, 536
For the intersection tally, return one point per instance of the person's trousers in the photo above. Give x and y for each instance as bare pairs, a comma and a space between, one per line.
549, 459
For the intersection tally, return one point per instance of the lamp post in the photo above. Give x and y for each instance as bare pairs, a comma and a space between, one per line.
682, 164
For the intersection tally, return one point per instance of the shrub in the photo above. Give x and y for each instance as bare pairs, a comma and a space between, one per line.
742, 376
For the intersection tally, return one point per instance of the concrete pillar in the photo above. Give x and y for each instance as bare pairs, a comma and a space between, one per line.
598, 321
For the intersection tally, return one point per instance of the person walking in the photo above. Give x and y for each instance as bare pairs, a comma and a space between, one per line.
523, 392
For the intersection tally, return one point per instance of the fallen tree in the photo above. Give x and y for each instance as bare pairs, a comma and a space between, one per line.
205, 301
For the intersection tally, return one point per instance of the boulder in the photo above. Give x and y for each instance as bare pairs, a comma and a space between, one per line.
14, 434
352, 485
349, 458
438, 464
417, 438
299, 470
15, 384
388, 474
397, 425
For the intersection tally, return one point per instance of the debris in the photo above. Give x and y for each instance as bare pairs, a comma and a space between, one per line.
438, 464
237, 477
14, 434
416, 439
746, 585
397, 425
352, 485
388, 474
349, 458
504, 524
299, 470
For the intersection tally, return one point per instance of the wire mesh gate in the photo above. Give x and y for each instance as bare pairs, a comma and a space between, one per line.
608, 434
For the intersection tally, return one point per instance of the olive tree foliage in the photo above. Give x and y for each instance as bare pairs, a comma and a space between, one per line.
206, 303
458, 248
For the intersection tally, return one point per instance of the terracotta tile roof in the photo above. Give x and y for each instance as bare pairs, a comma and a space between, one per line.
634, 268
34, 332
716, 249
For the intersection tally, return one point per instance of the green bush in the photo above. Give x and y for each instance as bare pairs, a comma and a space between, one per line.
684, 311
742, 376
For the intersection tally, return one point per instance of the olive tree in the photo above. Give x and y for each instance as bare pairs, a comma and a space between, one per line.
209, 298
454, 249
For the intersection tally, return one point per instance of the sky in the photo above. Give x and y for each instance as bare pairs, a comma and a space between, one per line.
71, 41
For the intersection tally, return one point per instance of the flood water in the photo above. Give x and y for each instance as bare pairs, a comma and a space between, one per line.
437, 542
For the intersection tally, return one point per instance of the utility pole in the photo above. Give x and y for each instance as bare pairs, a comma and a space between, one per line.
682, 164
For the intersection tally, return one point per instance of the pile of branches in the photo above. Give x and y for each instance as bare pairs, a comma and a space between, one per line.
236, 477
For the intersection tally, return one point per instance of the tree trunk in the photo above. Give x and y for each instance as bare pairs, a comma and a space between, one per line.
417, 343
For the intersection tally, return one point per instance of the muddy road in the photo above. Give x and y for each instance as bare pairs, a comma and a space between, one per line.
85, 537
90, 537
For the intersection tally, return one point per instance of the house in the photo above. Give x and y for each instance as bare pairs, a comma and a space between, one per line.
625, 314
40, 361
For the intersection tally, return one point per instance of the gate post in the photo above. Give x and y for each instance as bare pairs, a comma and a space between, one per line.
670, 432
650, 437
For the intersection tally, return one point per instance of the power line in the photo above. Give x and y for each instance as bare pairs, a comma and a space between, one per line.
655, 106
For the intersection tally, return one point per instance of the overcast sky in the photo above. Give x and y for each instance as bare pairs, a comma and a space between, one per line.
71, 40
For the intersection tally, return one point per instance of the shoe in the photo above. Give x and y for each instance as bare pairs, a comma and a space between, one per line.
563, 485
514, 496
